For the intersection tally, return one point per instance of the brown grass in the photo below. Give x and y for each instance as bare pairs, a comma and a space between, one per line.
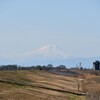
92, 87
37, 85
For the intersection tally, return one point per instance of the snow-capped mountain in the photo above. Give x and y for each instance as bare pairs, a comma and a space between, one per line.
45, 52
49, 52
45, 55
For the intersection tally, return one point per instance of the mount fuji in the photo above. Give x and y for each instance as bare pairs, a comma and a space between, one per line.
48, 54
56, 56
44, 55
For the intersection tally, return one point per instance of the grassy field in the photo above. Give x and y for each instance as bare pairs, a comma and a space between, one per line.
37, 85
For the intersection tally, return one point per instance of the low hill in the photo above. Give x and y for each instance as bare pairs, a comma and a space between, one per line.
38, 85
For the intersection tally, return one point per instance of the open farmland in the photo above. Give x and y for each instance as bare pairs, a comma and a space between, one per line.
38, 85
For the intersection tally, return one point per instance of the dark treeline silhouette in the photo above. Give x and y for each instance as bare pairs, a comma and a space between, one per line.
8, 67
38, 67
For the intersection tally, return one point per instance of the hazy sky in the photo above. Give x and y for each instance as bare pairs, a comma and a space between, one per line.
73, 25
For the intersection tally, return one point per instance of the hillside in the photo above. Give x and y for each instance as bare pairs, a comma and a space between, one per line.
37, 85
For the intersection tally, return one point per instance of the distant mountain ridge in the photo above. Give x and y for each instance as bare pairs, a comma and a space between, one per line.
46, 55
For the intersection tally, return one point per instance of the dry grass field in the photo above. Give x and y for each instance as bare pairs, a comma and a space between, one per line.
37, 85
92, 87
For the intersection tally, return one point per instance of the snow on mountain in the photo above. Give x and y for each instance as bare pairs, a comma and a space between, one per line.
49, 51
45, 55
45, 52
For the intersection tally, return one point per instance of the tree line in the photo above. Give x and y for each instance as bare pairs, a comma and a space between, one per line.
38, 67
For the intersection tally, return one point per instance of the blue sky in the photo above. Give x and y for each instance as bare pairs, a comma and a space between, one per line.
73, 25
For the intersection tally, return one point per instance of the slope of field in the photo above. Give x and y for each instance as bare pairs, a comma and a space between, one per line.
37, 85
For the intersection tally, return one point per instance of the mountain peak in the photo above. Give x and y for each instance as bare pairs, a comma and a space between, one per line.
48, 47
50, 51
